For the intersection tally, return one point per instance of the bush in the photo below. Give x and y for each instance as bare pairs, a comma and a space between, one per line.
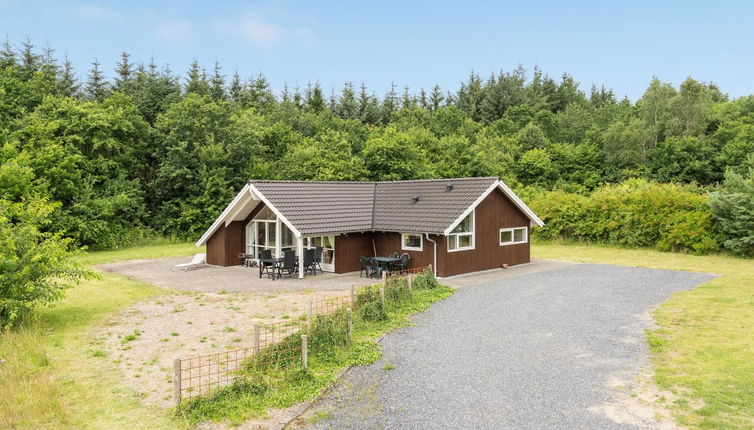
636, 213
733, 208
425, 281
35, 266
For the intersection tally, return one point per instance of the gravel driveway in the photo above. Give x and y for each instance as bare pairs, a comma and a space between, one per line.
540, 350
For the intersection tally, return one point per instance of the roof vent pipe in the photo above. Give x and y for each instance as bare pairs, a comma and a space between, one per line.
449, 187
415, 199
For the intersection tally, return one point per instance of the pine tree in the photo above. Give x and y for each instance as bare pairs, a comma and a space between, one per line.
196, 80
369, 109
30, 61
96, 85
389, 104
285, 95
217, 90
123, 72
347, 107
7, 54
236, 88
297, 98
407, 100
470, 96
315, 99
68, 85
260, 92
436, 97
423, 101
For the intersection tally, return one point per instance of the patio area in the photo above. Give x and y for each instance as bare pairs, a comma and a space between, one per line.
237, 279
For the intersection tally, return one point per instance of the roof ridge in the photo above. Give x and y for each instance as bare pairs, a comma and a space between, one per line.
374, 182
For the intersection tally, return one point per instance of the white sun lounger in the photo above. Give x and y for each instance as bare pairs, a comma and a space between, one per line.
199, 260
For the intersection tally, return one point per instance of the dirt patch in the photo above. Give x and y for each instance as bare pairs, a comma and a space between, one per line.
145, 339
639, 403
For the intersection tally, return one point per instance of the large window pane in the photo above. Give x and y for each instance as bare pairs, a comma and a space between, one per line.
287, 236
271, 234
519, 235
265, 213
466, 225
464, 240
506, 236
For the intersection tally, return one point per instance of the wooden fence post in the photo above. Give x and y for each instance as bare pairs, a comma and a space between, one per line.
430, 269
304, 353
410, 280
309, 313
256, 339
350, 325
177, 381
382, 295
353, 295
384, 278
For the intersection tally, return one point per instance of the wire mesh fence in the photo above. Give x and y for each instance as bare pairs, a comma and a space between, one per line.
282, 346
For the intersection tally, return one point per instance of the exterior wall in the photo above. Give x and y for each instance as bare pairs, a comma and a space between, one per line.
224, 246
492, 214
348, 249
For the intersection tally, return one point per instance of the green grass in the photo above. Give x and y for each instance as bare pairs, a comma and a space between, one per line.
703, 349
282, 387
149, 251
54, 377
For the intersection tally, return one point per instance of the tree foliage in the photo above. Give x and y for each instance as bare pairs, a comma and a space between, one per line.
153, 153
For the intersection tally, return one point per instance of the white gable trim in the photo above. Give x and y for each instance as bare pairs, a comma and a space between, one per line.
221, 219
235, 206
509, 193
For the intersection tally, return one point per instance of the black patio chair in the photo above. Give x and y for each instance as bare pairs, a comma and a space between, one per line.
309, 260
375, 268
392, 265
266, 254
317, 259
403, 264
289, 265
366, 266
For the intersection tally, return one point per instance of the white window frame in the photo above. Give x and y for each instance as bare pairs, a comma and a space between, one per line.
472, 233
513, 236
412, 248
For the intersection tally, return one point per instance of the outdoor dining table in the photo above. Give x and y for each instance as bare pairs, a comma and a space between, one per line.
387, 262
271, 262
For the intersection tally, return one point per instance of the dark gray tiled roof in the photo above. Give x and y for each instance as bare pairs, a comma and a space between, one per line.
339, 207
322, 207
436, 209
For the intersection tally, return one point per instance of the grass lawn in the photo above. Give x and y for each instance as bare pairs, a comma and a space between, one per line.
703, 350
53, 377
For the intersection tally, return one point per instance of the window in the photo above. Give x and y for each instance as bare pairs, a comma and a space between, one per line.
512, 236
462, 237
411, 242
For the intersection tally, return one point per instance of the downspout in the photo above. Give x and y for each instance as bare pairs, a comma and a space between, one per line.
434, 266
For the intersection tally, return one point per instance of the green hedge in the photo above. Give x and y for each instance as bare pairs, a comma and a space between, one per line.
636, 213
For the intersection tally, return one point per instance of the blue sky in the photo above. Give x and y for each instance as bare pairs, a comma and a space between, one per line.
414, 43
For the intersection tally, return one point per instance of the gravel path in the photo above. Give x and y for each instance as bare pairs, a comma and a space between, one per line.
536, 351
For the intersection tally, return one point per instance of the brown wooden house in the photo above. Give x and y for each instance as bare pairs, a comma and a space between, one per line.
456, 225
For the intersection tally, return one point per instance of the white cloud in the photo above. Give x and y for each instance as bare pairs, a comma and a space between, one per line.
173, 30
97, 13
260, 31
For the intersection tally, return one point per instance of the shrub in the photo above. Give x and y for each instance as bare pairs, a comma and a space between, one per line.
35, 266
636, 213
733, 208
425, 281
396, 290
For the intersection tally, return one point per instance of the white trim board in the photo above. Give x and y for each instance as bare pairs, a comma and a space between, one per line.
509, 193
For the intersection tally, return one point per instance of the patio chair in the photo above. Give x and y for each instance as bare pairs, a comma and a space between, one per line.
290, 263
263, 255
309, 260
403, 264
318, 259
392, 266
199, 260
375, 268
365, 265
